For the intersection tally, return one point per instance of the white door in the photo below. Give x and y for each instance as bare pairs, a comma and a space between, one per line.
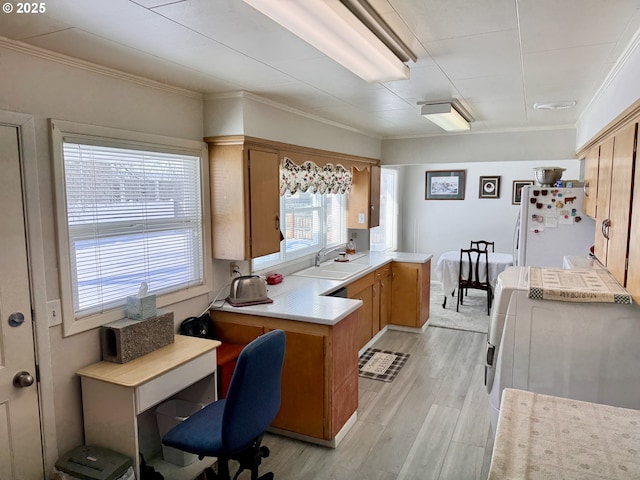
20, 438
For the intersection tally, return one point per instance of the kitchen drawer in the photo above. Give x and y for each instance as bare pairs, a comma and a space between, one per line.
162, 387
383, 272
360, 284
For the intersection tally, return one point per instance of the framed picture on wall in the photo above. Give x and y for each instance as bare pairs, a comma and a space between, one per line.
445, 185
516, 191
489, 187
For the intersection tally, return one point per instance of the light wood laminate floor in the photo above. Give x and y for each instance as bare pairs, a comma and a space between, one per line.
431, 422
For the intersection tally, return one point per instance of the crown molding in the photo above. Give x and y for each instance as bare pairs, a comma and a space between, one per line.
61, 59
484, 132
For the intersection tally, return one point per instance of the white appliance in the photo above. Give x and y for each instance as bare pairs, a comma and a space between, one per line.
551, 224
584, 351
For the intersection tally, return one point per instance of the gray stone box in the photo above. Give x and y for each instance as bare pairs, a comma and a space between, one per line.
125, 340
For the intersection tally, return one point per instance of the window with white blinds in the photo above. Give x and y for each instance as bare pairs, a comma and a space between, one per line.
133, 214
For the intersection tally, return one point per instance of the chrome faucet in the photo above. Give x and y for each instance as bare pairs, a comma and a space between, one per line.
326, 251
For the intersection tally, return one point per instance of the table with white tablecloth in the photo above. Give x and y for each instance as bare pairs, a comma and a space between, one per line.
447, 269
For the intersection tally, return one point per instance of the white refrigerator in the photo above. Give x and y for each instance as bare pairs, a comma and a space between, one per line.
551, 225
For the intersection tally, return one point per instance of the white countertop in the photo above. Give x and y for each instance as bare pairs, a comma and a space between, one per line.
304, 298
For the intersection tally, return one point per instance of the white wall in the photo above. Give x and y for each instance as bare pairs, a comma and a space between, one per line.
481, 147
436, 226
621, 90
44, 85
264, 119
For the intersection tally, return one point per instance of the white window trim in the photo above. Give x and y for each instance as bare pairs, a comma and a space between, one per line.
396, 214
306, 254
63, 130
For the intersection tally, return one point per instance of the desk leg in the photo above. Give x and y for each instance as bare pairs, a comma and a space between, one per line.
110, 419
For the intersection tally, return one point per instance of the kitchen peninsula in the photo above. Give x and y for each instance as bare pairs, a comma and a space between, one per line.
325, 334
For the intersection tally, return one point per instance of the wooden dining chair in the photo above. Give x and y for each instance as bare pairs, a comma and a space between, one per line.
483, 245
474, 274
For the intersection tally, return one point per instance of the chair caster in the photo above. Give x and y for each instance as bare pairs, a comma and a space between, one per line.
264, 451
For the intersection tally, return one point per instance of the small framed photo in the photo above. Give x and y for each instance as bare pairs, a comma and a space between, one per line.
516, 191
445, 185
489, 187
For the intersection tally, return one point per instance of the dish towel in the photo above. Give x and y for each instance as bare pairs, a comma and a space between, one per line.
576, 285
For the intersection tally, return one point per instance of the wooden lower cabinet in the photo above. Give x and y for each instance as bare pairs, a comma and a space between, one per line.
320, 371
410, 292
382, 296
362, 289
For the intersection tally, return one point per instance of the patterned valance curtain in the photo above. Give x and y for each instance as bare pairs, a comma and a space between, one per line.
309, 176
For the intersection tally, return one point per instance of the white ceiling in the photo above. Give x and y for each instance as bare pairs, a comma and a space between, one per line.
498, 57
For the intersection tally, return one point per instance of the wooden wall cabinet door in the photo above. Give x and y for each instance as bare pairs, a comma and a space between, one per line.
605, 165
382, 297
633, 271
362, 289
591, 181
363, 201
344, 372
410, 293
245, 201
264, 185
613, 210
302, 407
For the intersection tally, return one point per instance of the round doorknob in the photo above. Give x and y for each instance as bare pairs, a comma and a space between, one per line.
23, 379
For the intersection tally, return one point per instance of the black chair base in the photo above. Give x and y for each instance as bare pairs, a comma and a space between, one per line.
249, 459
212, 475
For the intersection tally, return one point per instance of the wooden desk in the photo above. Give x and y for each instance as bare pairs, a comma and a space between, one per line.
114, 394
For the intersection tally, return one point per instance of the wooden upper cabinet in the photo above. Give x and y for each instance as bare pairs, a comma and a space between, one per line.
613, 210
363, 201
633, 272
245, 205
264, 184
374, 197
620, 204
605, 166
245, 192
591, 181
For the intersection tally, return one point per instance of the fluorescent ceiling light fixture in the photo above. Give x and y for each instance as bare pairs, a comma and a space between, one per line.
445, 116
332, 28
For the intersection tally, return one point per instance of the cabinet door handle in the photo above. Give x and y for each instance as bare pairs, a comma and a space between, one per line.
585, 188
605, 228
277, 223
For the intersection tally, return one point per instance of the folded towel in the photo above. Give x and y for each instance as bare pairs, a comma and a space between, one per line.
576, 285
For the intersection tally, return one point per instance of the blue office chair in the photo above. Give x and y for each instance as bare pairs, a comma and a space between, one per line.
232, 428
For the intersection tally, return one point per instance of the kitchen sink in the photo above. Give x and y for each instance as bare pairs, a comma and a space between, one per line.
333, 270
